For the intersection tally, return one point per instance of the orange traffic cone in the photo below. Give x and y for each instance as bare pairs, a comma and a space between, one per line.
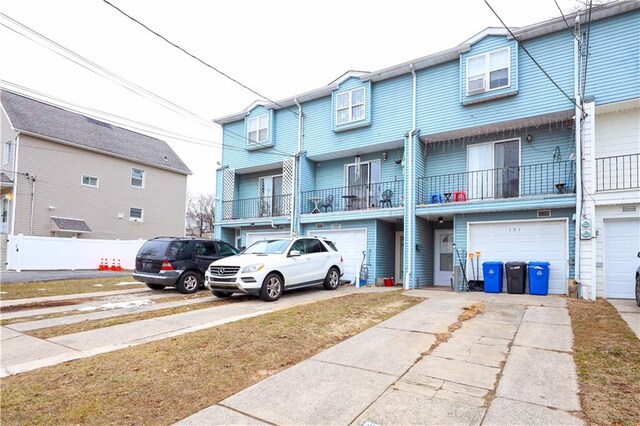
101, 264
113, 265
118, 268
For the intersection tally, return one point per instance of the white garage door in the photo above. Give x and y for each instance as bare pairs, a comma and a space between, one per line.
351, 243
526, 241
252, 237
621, 247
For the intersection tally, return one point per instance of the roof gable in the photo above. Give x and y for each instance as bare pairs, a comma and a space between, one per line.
67, 127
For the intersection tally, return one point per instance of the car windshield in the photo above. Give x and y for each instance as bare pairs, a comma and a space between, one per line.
268, 247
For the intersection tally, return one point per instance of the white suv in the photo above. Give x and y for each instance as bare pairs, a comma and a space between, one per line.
269, 267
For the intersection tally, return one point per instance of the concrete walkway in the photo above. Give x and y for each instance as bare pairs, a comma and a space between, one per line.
629, 311
511, 364
21, 352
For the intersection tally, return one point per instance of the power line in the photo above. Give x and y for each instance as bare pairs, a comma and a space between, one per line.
534, 60
565, 21
586, 59
196, 58
103, 72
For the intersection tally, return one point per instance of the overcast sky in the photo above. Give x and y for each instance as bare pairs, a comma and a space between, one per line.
277, 48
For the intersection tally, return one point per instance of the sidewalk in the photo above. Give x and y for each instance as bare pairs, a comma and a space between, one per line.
511, 364
21, 352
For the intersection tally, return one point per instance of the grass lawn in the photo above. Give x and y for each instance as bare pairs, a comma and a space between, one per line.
607, 355
63, 287
165, 381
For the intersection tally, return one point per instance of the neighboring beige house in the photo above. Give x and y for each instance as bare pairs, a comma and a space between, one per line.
610, 223
65, 174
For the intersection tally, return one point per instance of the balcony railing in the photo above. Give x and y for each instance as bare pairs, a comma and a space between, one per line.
557, 177
353, 197
251, 208
618, 172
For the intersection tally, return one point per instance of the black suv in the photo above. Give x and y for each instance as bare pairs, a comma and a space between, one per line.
178, 261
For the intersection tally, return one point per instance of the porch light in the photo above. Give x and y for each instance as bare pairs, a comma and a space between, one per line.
384, 156
529, 138
440, 219
8, 196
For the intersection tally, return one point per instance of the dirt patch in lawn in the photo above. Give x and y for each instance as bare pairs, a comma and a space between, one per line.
63, 287
61, 330
607, 355
165, 381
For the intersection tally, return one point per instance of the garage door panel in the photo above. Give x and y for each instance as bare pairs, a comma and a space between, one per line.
621, 246
526, 241
351, 243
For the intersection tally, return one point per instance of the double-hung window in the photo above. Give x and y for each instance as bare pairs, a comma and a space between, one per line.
350, 106
258, 129
137, 178
488, 71
6, 152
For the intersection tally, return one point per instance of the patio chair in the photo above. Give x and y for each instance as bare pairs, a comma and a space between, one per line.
386, 198
328, 204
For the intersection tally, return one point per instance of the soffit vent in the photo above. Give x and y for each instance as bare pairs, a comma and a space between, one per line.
629, 209
281, 227
319, 225
544, 213
336, 226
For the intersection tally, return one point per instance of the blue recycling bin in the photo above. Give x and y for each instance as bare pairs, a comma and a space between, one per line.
492, 272
539, 278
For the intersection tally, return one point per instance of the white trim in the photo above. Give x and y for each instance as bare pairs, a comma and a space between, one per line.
257, 119
135, 219
487, 71
350, 106
144, 178
97, 185
565, 220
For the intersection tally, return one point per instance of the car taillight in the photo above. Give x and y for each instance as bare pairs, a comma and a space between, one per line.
166, 266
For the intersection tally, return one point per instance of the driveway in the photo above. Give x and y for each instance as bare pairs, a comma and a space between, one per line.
629, 311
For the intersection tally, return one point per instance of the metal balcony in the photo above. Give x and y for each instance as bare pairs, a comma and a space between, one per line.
253, 208
617, 172
353, 198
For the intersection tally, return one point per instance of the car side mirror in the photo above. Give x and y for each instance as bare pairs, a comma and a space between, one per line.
639, 254
294, 253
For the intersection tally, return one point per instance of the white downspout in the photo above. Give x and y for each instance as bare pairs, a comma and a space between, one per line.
296, 172
15, 187
578, 130
409, 165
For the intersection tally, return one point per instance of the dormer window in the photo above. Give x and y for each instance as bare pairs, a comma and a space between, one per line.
258, 129
488, 71
350, 106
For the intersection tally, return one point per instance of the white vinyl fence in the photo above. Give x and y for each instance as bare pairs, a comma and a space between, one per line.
49, 253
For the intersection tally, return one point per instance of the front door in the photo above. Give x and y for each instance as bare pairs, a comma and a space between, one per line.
399, 257
443, 257
271, 196
362, 181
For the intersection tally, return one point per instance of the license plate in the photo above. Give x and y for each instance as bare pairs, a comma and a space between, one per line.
147, 265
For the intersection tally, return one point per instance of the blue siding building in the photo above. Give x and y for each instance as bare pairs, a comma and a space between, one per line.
424, 170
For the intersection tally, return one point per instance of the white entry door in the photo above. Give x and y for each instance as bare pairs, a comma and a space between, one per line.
443, 257
621, 247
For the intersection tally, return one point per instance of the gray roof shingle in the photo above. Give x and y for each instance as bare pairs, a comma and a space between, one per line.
50, 121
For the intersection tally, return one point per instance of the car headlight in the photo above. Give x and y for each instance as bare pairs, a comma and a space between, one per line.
253, 268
